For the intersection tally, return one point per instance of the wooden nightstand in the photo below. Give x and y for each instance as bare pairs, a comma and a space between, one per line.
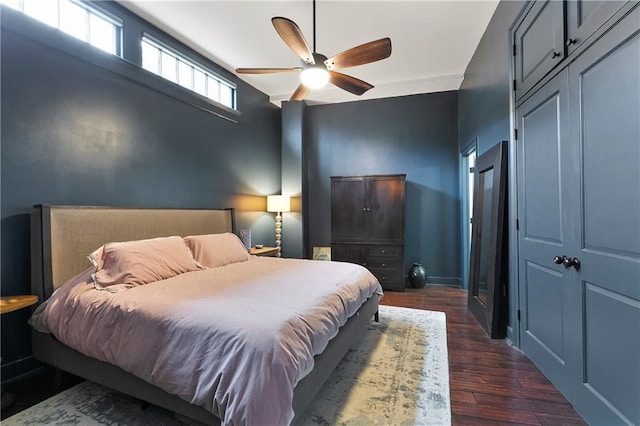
264, 251
10, 304
13, 303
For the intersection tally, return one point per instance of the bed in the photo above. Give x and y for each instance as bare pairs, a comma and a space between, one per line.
62, 236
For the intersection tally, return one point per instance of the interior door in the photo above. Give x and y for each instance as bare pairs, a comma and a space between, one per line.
605, 110
544, 203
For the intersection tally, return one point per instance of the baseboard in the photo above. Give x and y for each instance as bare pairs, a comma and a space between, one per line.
16, 370
445, 281
509, 336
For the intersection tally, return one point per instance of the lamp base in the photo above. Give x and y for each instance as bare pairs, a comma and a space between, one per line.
279, 234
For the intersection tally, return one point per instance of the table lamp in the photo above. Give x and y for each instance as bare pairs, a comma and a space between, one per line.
278, 204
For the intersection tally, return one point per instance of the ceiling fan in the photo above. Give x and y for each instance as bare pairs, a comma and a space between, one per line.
317, 69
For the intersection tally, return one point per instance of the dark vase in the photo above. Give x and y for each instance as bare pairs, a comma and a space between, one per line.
417, 276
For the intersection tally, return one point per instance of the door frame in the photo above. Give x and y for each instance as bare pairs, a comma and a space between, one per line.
513, 277
470, 147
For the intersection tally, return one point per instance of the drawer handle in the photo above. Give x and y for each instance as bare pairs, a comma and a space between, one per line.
384, 264
571, 41
384, 251
364, 263
555, 55
384, 278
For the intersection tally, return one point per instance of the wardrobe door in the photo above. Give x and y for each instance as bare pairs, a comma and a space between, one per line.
386, 210
605, 116
349, 211
544, 208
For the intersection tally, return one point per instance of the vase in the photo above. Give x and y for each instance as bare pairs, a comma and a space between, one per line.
417, 276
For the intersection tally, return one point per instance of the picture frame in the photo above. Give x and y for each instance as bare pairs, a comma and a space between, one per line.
321, 253
487, 289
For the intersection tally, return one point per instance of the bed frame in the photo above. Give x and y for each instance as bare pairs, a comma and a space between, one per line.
61, 238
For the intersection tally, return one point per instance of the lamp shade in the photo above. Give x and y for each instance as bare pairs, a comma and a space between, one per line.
278, 203
314, 78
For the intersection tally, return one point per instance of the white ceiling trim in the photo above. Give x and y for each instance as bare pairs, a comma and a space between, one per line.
332, 94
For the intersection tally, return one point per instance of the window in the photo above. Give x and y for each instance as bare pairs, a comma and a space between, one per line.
167, 63
101, 24
75, 18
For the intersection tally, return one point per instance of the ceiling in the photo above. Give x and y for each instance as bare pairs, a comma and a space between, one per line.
432, 41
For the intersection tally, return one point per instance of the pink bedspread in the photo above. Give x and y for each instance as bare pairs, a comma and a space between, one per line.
235, 339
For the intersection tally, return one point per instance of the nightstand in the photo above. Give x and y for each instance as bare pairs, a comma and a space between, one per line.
264, 251
10, 304
13, 303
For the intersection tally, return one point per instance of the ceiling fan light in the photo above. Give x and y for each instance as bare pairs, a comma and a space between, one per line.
314, 78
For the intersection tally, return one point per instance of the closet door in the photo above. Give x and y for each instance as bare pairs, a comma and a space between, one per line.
605, 116
584, 17
538, 43
544, 211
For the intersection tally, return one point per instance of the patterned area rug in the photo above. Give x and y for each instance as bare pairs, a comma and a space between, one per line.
398, 375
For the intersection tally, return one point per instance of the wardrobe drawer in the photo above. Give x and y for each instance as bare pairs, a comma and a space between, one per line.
388, 277
380, 251
382, 262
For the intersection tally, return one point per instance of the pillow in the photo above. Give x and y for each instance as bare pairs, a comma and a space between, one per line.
135, 263
213, 250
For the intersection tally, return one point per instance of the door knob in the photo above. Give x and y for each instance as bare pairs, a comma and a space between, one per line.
575, 262
567, 261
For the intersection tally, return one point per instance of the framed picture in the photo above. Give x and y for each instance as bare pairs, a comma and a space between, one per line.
321, 253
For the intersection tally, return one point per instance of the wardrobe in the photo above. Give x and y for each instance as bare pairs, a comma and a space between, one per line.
577, 126
367, 225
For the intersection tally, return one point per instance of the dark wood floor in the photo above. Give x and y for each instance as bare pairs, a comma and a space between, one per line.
491, 382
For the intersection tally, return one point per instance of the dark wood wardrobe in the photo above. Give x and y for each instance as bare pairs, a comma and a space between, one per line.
367, 225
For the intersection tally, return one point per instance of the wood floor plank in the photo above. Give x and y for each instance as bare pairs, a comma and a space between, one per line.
463, 396
496, 413
462, 420
491, 382
537, 406
551, 420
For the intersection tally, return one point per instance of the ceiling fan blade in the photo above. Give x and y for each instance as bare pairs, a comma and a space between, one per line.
301, 92
293, 37
360, 55
265, 70
348, 83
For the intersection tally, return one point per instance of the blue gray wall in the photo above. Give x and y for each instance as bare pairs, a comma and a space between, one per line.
484, 103
416, 135
75, 133
483, 97
294, 169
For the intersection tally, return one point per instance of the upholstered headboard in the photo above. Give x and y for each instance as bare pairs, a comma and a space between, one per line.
63, 236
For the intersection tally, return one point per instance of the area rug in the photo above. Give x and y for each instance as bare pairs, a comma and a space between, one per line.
398, 375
